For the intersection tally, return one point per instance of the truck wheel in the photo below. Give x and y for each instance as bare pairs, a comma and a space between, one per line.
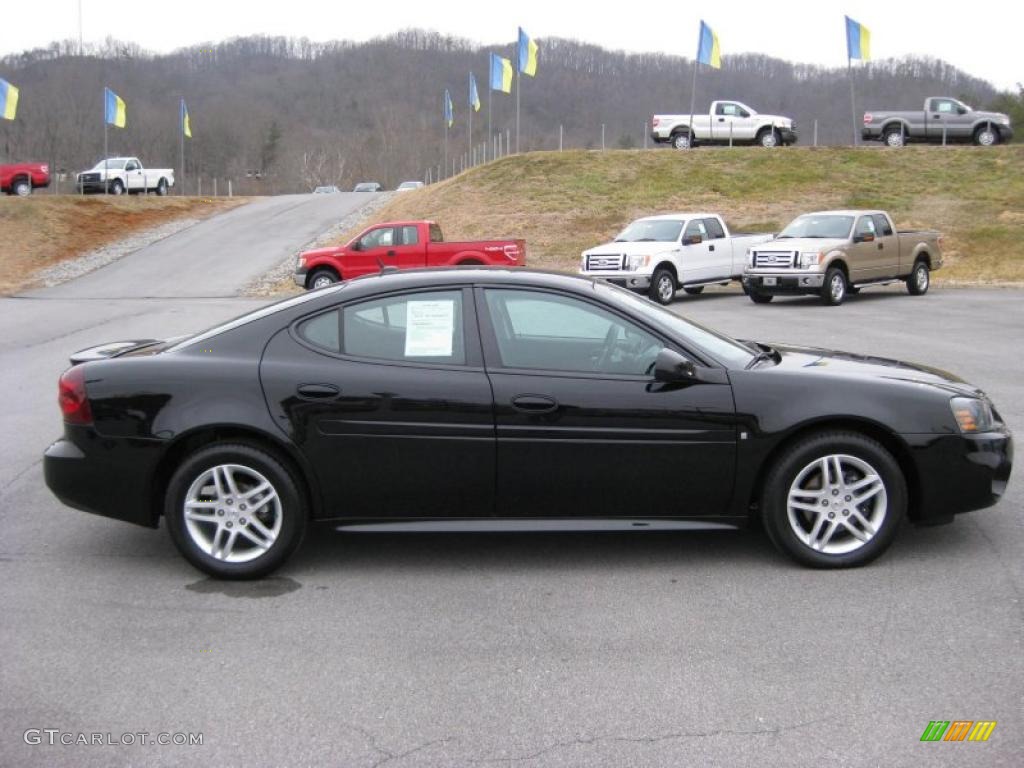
321, 278
986, 136
894, 137
161, 187
663, 286
694, 290
768, 137
759, 298
682, 141
21, 188
833, 290
919, 280
116, 187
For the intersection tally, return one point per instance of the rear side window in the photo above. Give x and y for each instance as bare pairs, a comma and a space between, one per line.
435, 234
882, 226
714, 228
410, 236
417, 327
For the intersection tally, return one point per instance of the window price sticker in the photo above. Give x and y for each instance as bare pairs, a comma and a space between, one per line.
429, 328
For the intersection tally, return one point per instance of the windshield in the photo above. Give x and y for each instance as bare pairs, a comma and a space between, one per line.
114, 162
721, 348
409, 185
651, 230
817, 225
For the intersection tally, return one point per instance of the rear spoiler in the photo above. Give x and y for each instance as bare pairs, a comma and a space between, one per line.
115, 348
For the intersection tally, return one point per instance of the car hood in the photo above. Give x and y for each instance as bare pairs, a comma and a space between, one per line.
632, 248
994, 116
802, 244
829, 362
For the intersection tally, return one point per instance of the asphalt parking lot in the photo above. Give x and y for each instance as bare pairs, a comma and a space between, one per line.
532, 650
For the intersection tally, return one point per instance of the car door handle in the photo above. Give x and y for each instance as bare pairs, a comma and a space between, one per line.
721, 119
881, 246
711, 247
318, 391
534, 403
391, 253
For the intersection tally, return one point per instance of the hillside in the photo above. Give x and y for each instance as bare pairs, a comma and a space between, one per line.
565, 202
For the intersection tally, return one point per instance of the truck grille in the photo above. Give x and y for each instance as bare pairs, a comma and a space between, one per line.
774, 259
88, 177
604, 262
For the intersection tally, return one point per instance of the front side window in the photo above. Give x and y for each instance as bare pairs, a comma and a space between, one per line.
714, 228
865, 226
418, 327
383, 237
731, 110
696, 228
551, 332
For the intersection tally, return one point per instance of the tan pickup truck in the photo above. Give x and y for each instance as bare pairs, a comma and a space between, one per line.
836, 253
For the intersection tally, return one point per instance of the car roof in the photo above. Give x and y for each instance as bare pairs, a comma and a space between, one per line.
847, 212
411, 223
676, 216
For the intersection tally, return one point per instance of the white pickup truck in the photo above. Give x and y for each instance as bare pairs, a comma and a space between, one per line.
118, 175
661, 254
727, 122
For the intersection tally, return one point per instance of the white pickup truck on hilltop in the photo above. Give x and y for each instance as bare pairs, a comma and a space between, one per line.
727, 122
118, 175
661, 254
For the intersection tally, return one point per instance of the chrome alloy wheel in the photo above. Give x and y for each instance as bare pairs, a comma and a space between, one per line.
322, 282
837, 504
233, 513
987, 137
666, 288
837, 287
921, 277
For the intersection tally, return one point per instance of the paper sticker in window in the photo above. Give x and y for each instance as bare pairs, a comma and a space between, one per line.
429, 328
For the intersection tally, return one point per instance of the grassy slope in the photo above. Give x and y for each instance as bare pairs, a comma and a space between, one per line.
45, 229
565, 202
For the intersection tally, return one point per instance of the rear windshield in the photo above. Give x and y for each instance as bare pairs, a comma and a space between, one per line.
651, 231
816, 225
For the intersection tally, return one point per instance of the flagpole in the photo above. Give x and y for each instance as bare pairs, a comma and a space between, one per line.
106, 166
519, 83
693, 97
490, 131
181, 128
853, 107
445, 113
471, 129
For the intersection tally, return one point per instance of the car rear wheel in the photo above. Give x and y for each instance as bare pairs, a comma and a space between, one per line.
694, 290
161, 187
833, 289
663, 286
894, 137
321, 278
234, 511
21, 188
834, 500
919, 280
682, 141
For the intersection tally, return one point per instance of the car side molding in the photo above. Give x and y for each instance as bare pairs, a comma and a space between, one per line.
513, 525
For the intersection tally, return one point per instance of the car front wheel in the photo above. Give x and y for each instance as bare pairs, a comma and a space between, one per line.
833, 289
21, 188
321, 278
663, 286
234, 511
834, 500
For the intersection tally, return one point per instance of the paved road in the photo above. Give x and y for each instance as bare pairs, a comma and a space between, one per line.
533, 650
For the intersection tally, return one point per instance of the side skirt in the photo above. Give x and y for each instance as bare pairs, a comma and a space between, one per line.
512, 525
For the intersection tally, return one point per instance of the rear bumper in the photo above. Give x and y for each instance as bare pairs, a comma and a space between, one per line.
623, 279
781, 283
958, 473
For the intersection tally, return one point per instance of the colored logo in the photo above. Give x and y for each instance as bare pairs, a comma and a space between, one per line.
958, 730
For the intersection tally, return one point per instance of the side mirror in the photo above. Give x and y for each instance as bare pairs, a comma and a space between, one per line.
671, 367
961, 111
357, 245
693, 240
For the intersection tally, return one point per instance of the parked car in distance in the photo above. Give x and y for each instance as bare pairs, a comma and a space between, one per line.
725, 122
496, 399
835, 253
329, 189
661, 254
409, 186
942, 119
21, 178
367, 186
118, 175
401, 245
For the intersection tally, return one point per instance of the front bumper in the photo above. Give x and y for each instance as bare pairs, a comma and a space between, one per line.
779, 283
957, 473
300, 278
623, 279
1005, 133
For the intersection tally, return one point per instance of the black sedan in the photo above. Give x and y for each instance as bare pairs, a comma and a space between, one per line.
489, 399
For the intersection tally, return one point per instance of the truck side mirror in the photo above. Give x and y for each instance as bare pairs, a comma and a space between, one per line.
357, 245
693, 240
867, 237
961, 111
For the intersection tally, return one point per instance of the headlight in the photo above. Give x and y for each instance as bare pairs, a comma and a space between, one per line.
1004, 120
635, 262
972, 414
810, 259
750, 258
300, 262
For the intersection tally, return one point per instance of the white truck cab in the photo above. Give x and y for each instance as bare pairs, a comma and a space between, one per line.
658, 255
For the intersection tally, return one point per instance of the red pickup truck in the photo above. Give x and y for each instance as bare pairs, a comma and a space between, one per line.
21, 178
405, 245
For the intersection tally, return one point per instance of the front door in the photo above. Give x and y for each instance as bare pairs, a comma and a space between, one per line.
387, 247
388, 400
583, 429
866, 261
699, 255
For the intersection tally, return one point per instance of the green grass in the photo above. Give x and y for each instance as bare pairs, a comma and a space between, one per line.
565, 202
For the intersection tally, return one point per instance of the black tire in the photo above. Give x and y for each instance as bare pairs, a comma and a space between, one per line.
694, 290
292, 512
986, 135
894, 137
769, 138
116, 187
324, 276
162, 188
919, 279
839, 512
663, 286
759, 298
834, 287
682, 140
21, 188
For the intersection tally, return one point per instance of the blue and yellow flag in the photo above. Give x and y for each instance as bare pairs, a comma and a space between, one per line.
858, 40
501, 74
115, 109
474, 94
708, 50
8, 100
527, 54
449, 115
186, 124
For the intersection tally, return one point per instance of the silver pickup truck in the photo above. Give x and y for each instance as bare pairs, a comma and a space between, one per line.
836, 253
943, 119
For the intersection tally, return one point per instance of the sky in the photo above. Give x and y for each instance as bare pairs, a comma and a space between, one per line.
986, 43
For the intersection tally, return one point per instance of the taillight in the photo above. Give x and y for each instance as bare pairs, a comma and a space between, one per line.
868, 117
654, 122
72, 398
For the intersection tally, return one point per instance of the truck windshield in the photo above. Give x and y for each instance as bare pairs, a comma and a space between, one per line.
651, 231
814, 225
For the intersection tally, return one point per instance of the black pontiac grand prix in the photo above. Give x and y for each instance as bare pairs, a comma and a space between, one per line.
492, 399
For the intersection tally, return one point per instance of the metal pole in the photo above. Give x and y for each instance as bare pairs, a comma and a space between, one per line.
645, 134
471, 127
181, 130
499, 145
943, 133
490, 131
214, 186
815, 132
853, 106
693, 99
602, 137
560, 133
106, 166
730, 133
508, 141
446, 145
519, 85
230, 193
199, 187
